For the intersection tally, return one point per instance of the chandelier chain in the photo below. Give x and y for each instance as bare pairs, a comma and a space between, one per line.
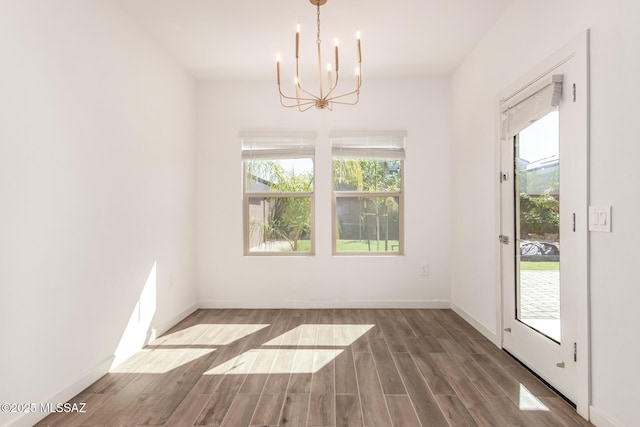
318, 34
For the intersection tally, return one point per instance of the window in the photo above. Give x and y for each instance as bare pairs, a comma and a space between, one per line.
367, 192
278, 193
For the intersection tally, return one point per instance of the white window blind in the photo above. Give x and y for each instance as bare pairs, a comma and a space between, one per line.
277, 145
368, 144
525, 107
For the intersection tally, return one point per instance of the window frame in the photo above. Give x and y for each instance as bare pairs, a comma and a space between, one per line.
367, 155
278, 154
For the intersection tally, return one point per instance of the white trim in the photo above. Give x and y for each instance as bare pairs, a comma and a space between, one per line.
65, 395
324, 303
491, 336
600, 419
165, 326
96, 373
578, 49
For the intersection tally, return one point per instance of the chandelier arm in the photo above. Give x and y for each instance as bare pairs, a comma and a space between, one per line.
297, 105
308, 93
347, 103
298, 99
353, 92
302, 110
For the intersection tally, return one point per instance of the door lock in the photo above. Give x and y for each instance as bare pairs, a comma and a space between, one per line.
560, 365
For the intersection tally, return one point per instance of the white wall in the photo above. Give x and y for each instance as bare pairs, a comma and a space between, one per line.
526, 34
227, 278
97, 186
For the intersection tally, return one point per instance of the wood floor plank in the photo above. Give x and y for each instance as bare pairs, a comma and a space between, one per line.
322, 411
528, 380
432, 375
388, 373
374, 407
275, 390
455, 411
391, 333
501, 357
431, 324
118, 403
241, 411
426, 406
218, 406
300, 381
313, 368
399, 320
512, 414
294, 412
272, 398
346, 382
511, 386
348, 411
61, 419
260, 370
484, 382
423, 334
565, 412
477, 405
188, 411
402, 412
357, 327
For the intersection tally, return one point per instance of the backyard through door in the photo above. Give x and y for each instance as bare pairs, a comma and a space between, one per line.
543, 220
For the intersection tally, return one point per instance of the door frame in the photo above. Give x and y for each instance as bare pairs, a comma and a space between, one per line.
578, 49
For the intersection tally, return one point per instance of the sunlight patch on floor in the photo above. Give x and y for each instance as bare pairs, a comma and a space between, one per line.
327, 335
528, 402
244, 363
209, 334
160, 361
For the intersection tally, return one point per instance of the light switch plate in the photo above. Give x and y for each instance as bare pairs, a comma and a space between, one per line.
600, 218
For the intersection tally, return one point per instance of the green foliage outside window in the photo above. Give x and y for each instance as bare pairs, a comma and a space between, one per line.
289, 218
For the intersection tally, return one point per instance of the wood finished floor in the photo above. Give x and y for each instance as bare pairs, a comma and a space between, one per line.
313, 368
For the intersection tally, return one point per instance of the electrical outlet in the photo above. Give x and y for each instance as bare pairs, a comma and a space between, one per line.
424, 269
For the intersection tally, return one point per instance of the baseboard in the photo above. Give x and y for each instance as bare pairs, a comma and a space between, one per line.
477, 325
96, 373
600, 419
165, 326
305, 304
29, 419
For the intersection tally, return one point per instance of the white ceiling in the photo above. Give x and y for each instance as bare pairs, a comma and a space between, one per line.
238, 39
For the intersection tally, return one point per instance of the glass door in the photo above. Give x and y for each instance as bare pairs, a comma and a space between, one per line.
543, 221
537, 225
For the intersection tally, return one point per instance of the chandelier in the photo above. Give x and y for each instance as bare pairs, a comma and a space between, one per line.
304, 100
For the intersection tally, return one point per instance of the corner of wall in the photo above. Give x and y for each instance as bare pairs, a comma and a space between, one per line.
600, 419
491, 336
